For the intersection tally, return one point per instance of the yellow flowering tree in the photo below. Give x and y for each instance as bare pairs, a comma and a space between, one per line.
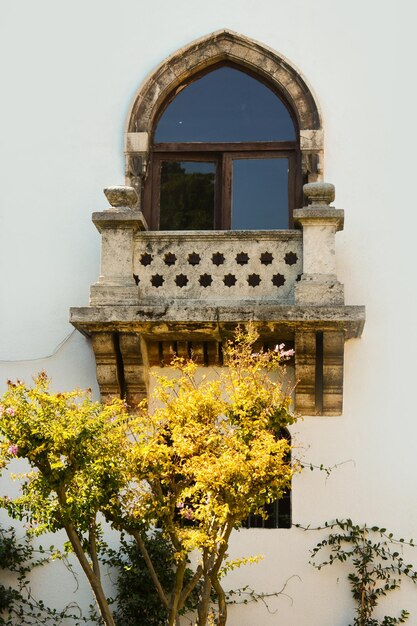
209, 455
196, 466
74, 448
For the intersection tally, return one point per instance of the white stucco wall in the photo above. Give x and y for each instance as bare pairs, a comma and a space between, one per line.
69, 73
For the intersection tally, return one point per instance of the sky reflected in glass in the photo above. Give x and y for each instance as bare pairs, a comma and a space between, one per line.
225, 105
260, 194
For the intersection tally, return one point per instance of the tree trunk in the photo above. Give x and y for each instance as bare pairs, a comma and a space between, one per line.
221, 601
142, 547
94, 580
204, 602
176, 593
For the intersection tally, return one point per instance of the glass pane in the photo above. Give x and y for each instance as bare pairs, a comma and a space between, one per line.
187, 195
260, 194
225, 105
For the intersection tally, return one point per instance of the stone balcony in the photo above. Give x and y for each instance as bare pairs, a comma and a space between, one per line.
184, 292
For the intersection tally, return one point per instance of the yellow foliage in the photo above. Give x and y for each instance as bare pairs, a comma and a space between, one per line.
210, 454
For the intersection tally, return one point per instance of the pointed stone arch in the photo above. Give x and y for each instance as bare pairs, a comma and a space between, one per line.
223, 47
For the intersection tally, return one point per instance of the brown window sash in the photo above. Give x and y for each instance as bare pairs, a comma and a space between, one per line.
222, 154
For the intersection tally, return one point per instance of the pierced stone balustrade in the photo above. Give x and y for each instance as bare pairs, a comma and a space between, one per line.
218, 267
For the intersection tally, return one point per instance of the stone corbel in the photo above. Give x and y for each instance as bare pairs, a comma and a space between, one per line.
319, 372
135, 366
107, 366
122, 366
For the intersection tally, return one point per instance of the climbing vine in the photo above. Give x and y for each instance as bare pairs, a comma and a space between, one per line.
18, 606
376, 564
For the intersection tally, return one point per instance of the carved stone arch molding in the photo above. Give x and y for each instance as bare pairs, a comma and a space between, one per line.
223, 47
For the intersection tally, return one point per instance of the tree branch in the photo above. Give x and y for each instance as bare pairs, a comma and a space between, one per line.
141, 545
189, 587
92, 542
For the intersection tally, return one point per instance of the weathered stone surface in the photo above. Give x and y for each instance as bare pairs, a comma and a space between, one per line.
320, 215
319, 247
311, 292
166, 293
319, 193
305, 372
134, 220
195, 320
105, 352
333, 351
311, 140
116, 256
221, 46
198, 330
319, 284
124, 293
134, 362
116, 284
137, 142
121, 197
218, 265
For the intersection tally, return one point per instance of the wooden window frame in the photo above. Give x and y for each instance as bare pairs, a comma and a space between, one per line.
221, 153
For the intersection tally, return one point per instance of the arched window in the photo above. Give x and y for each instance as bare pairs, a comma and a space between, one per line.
225, 155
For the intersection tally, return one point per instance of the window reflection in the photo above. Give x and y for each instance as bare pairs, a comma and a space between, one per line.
187, 195
225, 105
259, 194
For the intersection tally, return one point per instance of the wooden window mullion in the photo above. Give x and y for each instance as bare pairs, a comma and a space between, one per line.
226, 184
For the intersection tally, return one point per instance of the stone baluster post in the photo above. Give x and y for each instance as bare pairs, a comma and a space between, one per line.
320, 222
117, 226
319, 352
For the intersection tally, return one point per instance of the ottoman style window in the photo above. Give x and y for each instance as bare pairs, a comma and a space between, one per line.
225, 155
